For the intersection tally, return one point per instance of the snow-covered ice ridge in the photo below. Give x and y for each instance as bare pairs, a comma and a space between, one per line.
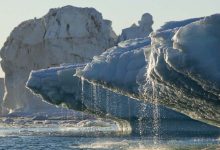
64, 35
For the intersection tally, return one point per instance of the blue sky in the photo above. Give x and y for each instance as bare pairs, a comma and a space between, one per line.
122, 12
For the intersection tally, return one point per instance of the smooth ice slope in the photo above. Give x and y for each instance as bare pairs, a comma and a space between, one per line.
182, 70
142, 30
64, 35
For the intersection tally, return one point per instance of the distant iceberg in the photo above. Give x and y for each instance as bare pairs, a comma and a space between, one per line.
143, 29
64, 35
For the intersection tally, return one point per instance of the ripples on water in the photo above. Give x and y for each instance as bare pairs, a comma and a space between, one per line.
55, 142
28, 133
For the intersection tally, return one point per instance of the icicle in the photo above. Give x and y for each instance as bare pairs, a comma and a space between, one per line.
129, 109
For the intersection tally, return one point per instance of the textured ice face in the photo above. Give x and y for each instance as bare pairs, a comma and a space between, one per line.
184, 67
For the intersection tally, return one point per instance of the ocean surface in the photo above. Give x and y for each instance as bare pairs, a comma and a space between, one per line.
36, 133
106, 143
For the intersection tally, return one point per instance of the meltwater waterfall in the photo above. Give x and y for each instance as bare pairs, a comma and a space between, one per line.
156, 116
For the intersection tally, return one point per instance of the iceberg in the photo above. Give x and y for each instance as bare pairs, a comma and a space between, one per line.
64, 35
143, 29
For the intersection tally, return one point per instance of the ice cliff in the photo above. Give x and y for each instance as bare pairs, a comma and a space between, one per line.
64, 35
143, 29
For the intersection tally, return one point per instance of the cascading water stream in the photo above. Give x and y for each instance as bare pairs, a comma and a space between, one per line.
107, 103
95, 98
82, 95
114, 100
141, 120
156, 116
